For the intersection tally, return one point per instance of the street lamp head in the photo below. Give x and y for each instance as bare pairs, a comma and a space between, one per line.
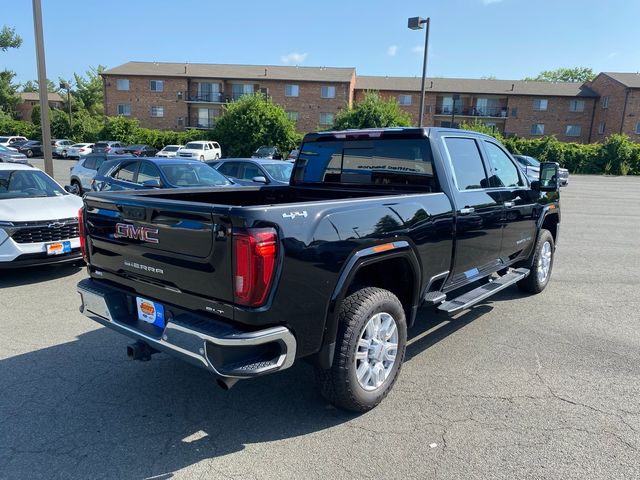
415, 23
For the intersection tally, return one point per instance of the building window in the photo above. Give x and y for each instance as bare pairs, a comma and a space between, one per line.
540, 104
157, 85
157, 111
122, 84
404, 99
427, 109
179, 95
180, 121
326, 118
537, 129
293, 116
604, 102
291, 91
601, 127
638, 128
124, 109
514, 112
576, 106
240, 89
573, 131
328, 92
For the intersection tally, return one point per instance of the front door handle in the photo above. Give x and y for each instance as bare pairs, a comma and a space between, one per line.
466, 210
509, 204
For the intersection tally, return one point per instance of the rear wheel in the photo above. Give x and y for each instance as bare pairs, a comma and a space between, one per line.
64, 154
75, 183
202, 158
217, 157
370, 348
30, 153
541, 264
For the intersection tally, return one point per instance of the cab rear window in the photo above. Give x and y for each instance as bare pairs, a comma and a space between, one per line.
385, 162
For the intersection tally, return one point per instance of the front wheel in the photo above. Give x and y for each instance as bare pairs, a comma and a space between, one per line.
202, 158
370, 348
64, 154
541, 264
217, 157
29, 153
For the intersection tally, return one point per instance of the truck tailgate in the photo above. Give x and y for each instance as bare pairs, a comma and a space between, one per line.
182, 246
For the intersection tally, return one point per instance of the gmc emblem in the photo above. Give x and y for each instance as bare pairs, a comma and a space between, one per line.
126, 230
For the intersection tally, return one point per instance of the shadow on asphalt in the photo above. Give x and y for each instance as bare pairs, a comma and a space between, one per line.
86, 412
17, 277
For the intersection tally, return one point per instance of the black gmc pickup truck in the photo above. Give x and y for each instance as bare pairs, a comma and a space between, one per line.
333, 267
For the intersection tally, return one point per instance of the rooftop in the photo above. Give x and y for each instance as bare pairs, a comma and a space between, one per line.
251, 72
465, 85
631, 80
53, 97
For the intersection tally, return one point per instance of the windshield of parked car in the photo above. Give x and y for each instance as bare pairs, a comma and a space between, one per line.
194, 146
28, 184
101, 144
533, 162
281, 172
78, 145
6, 150
265, 151
135, 147
193, 175
170, 149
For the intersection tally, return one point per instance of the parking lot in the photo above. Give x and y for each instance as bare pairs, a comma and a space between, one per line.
520, 386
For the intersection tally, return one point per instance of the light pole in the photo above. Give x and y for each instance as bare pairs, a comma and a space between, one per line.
67, 87
42, 88
416, 23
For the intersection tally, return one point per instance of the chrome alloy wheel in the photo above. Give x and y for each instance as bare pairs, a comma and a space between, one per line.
544, 262
376, 351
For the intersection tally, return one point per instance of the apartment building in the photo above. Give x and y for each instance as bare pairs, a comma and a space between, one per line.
523, 108
178, 95
29, 100
618, 107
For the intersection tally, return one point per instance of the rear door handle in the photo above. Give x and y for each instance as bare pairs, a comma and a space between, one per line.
509, 204
466, 210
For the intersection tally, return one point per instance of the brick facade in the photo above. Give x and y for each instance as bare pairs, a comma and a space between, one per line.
506, 105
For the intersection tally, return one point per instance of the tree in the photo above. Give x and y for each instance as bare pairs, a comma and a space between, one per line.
577, 74
9, 38
32, 86
372, 112
252, 121
89, 91
8, 93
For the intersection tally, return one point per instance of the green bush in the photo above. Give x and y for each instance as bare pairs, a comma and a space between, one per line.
372, 112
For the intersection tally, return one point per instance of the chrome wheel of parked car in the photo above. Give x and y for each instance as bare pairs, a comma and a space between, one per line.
544, 262
376, 351
29, 153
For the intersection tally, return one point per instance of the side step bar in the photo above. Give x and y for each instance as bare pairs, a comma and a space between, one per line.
478, 294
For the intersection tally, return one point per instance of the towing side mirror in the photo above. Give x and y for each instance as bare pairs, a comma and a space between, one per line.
548, 181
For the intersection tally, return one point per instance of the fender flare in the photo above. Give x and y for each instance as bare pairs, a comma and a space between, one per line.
359, 260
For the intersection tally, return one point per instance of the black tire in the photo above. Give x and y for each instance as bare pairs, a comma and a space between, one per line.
29, 153
64, 154
533, 283
339, 384
77, 184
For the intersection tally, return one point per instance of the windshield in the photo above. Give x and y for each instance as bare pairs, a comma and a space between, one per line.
28, 184
135, 147
102, 144
6, 150
4, 139
170, 149
265, 151
533, 162
194, 146
281, 172
193, 175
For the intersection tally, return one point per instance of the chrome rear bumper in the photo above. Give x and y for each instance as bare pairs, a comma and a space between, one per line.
212, 345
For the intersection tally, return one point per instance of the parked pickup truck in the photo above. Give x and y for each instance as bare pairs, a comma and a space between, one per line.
332, 267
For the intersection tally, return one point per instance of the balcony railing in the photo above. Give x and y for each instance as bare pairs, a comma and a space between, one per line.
212, 97
472, 111
202, 123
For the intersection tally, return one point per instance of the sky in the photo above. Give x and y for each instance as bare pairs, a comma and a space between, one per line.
507, 39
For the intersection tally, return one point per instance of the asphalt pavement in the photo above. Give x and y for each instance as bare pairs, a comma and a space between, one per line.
544, 386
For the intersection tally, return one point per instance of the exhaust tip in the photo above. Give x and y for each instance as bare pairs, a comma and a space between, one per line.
226, 383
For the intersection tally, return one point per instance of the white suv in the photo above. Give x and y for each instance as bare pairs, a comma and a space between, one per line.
201, 150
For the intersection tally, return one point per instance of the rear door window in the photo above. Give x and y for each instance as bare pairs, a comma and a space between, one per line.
398, 162
148, 172
467, 163
230, 169
127, 172
90, 163
251, 171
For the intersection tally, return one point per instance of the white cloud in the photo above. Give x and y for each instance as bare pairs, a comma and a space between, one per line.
489, 2
293, 57
613, 54
418, 49
392, 50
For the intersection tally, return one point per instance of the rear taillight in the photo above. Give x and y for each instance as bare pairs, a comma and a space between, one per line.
107, 150
255, 260
83, 240
81, 150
